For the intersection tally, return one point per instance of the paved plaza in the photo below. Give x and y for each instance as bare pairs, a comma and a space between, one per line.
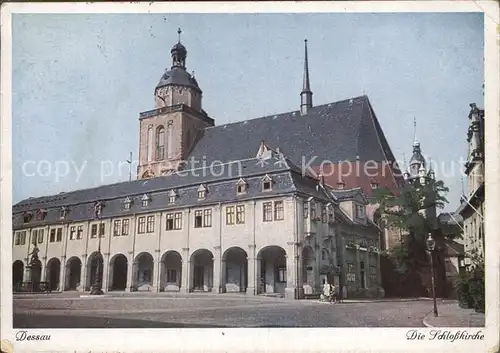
137, 310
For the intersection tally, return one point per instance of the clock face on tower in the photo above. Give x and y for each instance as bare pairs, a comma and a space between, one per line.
162, 97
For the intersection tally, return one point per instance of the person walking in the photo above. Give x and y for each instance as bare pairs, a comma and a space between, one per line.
326, 291
334, 294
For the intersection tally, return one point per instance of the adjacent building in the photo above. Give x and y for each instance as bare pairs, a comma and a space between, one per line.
262, 206
472, 204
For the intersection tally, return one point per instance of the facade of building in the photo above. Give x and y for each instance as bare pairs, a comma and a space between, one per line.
253, 217
472, 205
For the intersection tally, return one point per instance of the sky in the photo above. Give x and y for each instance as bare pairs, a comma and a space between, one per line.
81, 80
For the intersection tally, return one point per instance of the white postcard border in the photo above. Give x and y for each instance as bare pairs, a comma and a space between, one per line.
275, 339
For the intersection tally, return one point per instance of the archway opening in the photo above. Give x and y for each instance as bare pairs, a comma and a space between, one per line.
73, 273
272, 269
53, 273
235, 270
202, 270
17, 275
171, 271
118, 269
144, 265
94, 264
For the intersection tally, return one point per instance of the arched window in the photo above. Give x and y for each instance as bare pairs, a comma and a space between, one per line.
169, 139
160, 143
149, 143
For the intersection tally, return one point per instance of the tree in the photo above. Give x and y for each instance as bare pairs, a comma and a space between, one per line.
413, 212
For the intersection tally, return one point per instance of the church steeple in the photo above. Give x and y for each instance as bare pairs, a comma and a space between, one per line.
179, 53
306, 94
417, 161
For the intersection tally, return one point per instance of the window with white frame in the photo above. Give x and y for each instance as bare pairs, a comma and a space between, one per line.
52, 235
170, 222
59, 235
93, 231
230, 215
20, 238
125, 226
150, 226
198, 219
141, 225
203, 218
79, 232
306, 209
267, 211
117, 227
174, 221
279, 213
207, 218
102, 229
240, 214
178, 221
323, 214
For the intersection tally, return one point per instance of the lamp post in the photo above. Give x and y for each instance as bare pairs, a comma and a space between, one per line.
97, 286
431, 246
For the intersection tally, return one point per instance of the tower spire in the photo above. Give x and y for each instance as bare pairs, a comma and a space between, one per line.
179, 31
306, 94
415, 141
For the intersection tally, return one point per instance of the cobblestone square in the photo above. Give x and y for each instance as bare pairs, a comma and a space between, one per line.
212, 310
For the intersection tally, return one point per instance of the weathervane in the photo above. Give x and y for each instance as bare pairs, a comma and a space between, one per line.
179, 31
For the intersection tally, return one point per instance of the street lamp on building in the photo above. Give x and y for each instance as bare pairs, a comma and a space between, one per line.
97, 286
431, 246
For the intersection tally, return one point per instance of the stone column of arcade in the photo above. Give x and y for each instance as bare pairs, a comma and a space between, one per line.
252, 271
217, 270
186, 270
97, 286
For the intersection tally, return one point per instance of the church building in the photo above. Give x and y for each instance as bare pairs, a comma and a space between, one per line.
222, 208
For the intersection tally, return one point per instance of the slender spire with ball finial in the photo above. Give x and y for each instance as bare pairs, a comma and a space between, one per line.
306, 94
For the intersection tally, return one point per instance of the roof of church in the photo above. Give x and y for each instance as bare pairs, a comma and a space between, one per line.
347, 130
340, 131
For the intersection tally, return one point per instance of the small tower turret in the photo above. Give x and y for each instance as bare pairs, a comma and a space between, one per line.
306, 94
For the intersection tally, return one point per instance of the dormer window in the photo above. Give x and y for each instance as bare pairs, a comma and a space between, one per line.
241, 187
374, 184
340, 185
64, 212
98, 209
172, 196
145, 200
127, 203
267, 183
360, 211
40, 215
27, 216
202, 192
